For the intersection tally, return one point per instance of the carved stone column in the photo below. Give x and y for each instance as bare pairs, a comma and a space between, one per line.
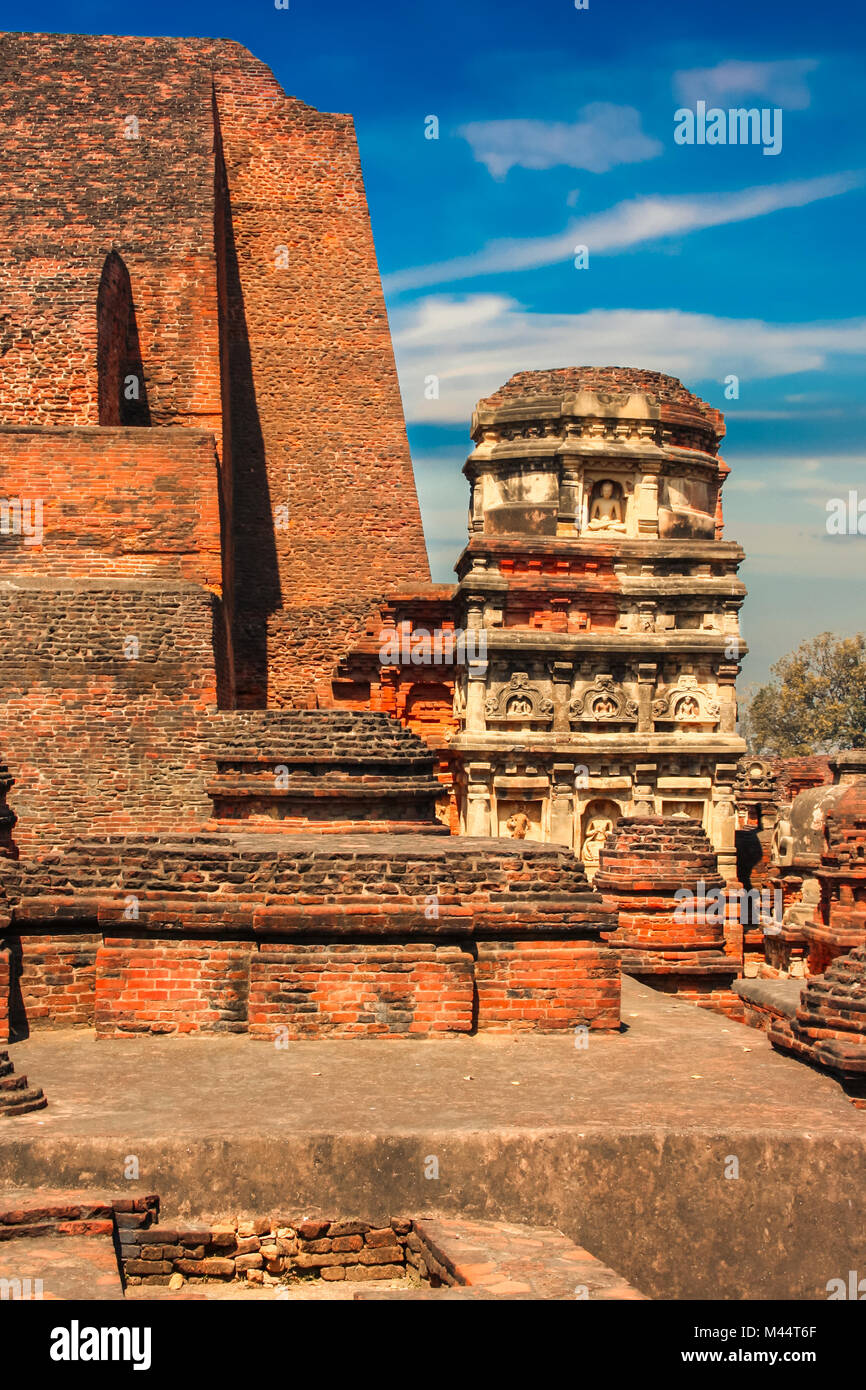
569, 501
562, 804
648, 500
643, 791
476, 685
561, 673
727, 676
647, 675
724, 821
480, 776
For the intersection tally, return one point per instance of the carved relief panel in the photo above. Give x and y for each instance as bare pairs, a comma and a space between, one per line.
519, 700
686, 703
605, 702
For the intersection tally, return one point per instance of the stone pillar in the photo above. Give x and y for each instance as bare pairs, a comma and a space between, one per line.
561, 673
647, 674
727, 677
643, 791
648, 500
476, 685
478, 799
723, 826
562, 804
569, 501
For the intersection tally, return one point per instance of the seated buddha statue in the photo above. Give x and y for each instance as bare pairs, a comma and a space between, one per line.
605, 513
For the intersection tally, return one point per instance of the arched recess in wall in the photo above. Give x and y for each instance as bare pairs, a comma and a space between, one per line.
122, 387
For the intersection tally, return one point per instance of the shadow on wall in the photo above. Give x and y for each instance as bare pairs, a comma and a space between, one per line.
252, 563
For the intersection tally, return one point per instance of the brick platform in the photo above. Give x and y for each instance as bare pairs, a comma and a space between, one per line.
286, 935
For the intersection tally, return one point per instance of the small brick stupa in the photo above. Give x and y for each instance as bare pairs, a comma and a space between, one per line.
829, 1029
674, 943
16, 1097
839, 922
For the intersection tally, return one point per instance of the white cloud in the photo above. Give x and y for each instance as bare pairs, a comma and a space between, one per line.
602, 137
475, 343
780, 82
628, 224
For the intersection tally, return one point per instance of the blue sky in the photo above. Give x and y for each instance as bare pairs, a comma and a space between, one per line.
704, 261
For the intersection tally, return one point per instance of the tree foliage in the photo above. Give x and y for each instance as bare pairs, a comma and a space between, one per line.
815, 701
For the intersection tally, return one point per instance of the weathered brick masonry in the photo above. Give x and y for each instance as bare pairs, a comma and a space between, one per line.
253, 311
207, 490
285, 936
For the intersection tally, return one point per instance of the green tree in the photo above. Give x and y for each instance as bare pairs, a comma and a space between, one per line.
815, 701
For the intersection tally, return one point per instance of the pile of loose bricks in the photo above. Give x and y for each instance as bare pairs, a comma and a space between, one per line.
266, 1251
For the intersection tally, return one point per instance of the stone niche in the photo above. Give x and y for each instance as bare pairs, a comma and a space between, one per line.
608, 505
523, 499
520, 818
598, 819
518, 700
687, 506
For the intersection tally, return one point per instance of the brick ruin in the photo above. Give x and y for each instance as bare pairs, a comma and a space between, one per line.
673, 912
262, 776
208, 490
599, 607
124, 1244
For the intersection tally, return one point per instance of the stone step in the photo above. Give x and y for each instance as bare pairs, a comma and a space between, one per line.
22, 1102
61, 1267
506, 1260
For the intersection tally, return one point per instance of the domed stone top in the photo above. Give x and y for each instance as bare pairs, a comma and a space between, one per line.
846, 826
802, 832
664, 397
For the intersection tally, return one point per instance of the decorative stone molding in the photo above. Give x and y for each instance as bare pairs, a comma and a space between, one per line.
603, 702
686, 703
519, 699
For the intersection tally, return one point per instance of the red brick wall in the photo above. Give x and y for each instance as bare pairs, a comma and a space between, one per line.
324, 431
171, 986
290, 364
74, 187
546, 985
131, 503
278, 990
57, 980
341, 989
94, 739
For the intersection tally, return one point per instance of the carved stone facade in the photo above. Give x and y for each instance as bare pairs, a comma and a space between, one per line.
602, 606
596, 570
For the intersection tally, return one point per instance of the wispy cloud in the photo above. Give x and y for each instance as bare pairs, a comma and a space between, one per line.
474, 343
627, 224
781, 82
603, 136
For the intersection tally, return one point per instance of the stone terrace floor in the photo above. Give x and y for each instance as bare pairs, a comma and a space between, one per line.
624, 1145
